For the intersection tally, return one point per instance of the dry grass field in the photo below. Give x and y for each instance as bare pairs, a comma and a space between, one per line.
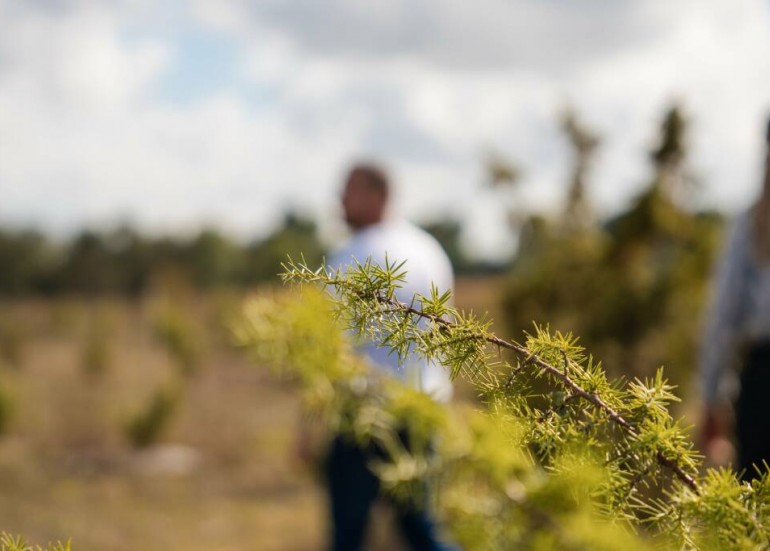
217, 471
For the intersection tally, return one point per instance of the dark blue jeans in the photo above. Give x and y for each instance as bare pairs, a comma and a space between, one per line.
752, 412
352, 491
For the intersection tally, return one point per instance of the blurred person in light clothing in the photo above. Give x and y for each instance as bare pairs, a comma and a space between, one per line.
737, 335
353, 488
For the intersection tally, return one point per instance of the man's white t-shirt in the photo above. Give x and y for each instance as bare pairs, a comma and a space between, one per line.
426, 264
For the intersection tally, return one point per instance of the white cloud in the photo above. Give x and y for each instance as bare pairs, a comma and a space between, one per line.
85, 142
75, 60
429, 86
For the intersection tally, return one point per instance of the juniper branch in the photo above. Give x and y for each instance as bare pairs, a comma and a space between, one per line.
383, 296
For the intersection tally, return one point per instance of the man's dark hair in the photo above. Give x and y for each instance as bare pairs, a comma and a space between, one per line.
375, 176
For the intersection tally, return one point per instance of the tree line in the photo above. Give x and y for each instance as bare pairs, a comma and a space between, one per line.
123, 261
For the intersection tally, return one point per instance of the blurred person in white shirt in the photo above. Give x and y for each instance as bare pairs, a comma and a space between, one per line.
353, 488
375, 236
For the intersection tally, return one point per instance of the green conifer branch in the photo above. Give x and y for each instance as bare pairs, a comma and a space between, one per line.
9, 542
481, 454
369, 289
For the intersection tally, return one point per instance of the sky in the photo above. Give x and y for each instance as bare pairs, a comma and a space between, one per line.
173, 115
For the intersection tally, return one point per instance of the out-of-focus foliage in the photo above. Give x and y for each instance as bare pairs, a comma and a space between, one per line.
569, 473
578, 213
632, 287
18, 543
174, 330
6, 409
124, 262
147, 425
481, 458
96, 354
28, 262
12, 339
264, 258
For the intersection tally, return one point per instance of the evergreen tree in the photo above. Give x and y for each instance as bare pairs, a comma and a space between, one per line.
578, 213
632, 288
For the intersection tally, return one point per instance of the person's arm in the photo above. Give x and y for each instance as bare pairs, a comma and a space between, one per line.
720, 338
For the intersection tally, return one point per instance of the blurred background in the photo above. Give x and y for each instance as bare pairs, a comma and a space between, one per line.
158, 160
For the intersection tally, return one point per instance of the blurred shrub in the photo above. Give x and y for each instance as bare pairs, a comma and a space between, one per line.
6, 409
96, 352
180, 338
148, 424
632, 288
28, 263
67, 317
12, 339
636, 305
223, 306
264, 257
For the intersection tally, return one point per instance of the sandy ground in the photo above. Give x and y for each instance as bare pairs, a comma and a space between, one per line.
221, 476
